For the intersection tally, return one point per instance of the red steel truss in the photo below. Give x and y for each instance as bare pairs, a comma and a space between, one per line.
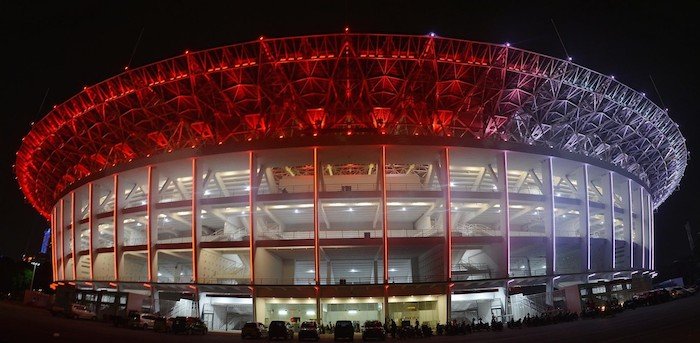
348, 84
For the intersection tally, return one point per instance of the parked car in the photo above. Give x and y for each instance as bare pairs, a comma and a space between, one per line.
344, 330
279, 329
81, 312
373, 330
309, 330
178, 325
196, 326
160, 324
254, 330
138, 320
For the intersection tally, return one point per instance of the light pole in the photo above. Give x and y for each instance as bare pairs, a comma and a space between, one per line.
31, 285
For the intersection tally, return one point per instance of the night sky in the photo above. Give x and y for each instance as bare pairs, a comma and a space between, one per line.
62, 47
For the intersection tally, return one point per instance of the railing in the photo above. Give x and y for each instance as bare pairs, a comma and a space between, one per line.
417, 233
360, 233
104, 243
131, 241
187, 278
285, 281
470, 271
366, 280
187, 239
172, 198
415, 278
238, 234
470, 267
391, 186
226, 281
218, 193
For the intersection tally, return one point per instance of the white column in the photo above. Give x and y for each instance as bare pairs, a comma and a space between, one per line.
502, 184
612, 218
649, 228
550, 223
587, 214
643, 221
630, 207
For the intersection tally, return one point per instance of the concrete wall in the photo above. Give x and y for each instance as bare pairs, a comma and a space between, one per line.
133, 268
104, 266
268, 267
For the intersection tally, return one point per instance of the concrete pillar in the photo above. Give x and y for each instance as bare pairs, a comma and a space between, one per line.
502, 185
549, 220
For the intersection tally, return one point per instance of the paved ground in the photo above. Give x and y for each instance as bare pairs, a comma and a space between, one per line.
677, 321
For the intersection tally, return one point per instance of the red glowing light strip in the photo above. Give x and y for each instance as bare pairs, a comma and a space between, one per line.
195, 180
385, 225
73, 232
251, 237
448, 214
116, 233
92, 262
148, 224
61, 270
317, 259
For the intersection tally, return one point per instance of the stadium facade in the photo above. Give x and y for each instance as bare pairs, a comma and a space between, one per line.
351, 176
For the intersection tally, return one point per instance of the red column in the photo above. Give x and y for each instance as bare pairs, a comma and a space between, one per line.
73, 232
54, 248
317, 258
61, 269
251, 217
90, 236
149, 253
195, 215
448, 215
385, 227
116, 226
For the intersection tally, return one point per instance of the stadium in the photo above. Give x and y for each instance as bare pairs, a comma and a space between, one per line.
352, 176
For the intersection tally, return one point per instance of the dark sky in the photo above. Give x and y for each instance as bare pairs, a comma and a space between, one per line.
63, 46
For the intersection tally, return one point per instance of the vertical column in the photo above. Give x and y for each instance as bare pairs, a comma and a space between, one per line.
115, 216
195, 216
90, 234
612, 218
62, 227
73, 232
317, 253
149, 236
550, 224
252, 189
651, 232
587, 215
502, 185
644, 224
630, 206
385, 228
54, 250
448, 218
